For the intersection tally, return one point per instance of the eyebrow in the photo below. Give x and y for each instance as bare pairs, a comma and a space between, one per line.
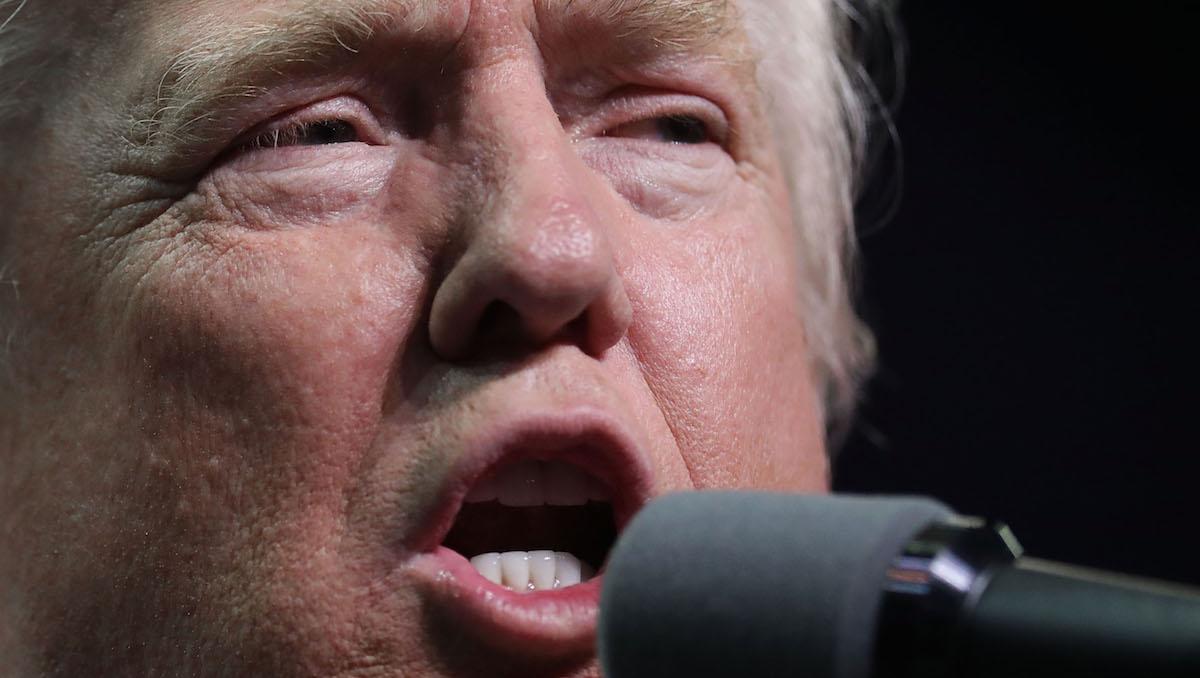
224, 62
670, 24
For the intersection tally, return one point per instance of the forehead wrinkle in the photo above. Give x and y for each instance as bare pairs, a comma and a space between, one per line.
221, 60
670, 24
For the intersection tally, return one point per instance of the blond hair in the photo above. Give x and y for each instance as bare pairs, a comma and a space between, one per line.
826, 120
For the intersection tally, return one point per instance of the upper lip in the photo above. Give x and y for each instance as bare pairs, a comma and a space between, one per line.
587, 437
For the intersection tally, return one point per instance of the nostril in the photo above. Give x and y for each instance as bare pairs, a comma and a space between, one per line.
497, 322
502, 331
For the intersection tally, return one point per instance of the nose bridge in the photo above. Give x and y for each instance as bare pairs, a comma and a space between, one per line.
544, 217
538, 241
529, 162
540, 217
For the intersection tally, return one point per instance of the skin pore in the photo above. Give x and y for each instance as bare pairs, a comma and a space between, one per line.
282, 262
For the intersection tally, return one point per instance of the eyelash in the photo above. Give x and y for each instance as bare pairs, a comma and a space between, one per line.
693, 128
689, 130
330, 131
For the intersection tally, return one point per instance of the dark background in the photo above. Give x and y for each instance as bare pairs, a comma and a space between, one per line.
1034, 297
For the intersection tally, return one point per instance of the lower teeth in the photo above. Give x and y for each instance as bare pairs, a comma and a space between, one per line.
532, 570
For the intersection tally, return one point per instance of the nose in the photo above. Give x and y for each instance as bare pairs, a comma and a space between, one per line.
537, 262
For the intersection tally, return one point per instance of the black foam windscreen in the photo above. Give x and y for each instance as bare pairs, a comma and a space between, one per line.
752, 584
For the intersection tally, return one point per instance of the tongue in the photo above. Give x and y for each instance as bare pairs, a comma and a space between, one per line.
532, 570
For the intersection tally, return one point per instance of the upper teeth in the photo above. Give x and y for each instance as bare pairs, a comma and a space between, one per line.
535, 483
532, 570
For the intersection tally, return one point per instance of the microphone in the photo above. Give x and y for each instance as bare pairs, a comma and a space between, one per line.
752, 584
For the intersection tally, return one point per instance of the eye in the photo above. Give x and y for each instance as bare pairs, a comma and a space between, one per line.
315, 133
683, 129
671, 129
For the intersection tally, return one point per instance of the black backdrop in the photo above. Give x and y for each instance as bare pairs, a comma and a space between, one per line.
1034, 297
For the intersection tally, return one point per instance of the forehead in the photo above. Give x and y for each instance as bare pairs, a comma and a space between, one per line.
204, 54
638, 25
156, 43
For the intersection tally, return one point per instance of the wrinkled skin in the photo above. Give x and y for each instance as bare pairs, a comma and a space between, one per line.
243, 374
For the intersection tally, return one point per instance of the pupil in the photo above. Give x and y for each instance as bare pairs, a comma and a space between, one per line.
329, 132
683, 129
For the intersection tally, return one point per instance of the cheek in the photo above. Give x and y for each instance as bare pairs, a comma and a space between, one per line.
323, 313
261, 362
666, 184
234, 373
719, 332
273, 348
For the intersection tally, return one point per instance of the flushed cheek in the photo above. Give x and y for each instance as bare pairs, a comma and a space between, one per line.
780, 431
271, 349
261, 359
721, 339
282, 276
261, 319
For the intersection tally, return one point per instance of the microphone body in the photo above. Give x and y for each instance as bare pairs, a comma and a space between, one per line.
756, 584
961, 601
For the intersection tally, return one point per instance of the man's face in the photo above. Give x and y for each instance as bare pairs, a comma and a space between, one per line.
298, 278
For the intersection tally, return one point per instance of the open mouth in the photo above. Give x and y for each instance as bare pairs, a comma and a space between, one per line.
535, 525
514, 551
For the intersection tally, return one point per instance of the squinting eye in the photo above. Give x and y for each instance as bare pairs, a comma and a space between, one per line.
683, 129
305, 134
672, 129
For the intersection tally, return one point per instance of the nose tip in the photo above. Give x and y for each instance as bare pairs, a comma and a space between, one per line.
535, 271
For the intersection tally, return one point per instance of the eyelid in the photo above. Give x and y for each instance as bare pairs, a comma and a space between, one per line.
641, 106
346, 108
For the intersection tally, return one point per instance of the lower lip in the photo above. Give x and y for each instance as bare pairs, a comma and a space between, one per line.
548, 623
